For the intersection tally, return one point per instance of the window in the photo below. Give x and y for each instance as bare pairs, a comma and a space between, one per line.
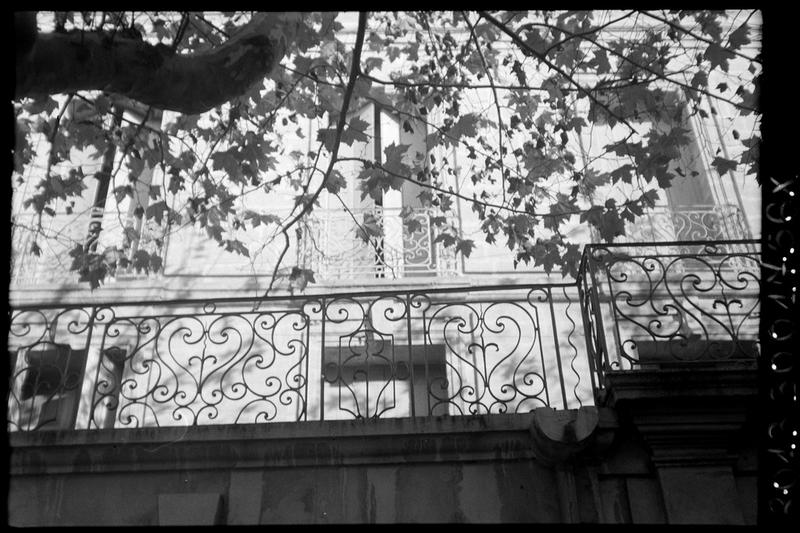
687, 209
124, 222
367, 375
393, 251
46, 387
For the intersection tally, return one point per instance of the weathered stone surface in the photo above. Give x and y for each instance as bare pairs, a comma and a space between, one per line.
189, 509
700, 495
467, 469
589, 465
693, 424
559, 435
245, 495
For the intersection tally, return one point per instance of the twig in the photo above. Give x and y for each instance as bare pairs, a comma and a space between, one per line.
355, 70
525, 46
201, 17
581, 34
181, 30
496, 102
695, 36
473, 200
359, 226
467, 85
661, 76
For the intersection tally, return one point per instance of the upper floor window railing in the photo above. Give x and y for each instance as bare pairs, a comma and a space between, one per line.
695, 223
378, 242
701, 223
372, 242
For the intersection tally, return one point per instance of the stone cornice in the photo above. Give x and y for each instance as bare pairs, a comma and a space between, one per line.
687, 416
685, 382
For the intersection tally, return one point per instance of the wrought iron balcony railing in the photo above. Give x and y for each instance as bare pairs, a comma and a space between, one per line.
489, 350
332, 244
681, 303
502, 349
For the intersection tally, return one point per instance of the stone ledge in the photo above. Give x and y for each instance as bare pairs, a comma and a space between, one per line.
329, 443
272, 445
276, 430
688, 417
684, 382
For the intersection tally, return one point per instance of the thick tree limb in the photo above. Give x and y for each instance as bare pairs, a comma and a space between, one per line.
24, 32
152, 75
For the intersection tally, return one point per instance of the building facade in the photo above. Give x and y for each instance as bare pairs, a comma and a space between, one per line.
409, 383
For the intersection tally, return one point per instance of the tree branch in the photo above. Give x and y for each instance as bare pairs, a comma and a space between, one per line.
362, 229
355, 71
277, 266
695, 36
181, 30
150, 74
496, 102
581, 34
661, 76
522, 44
474, 200
468, 85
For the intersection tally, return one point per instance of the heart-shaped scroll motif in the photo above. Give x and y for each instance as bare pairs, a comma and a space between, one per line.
678, 308
494, 358
208, 368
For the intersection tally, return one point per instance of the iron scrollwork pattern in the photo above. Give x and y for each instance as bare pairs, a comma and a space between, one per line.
696, 223
699, 304
494, 357
449, 351
334, 245
203, 368
46, 368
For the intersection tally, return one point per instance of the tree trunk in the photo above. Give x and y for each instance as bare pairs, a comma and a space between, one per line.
152, 75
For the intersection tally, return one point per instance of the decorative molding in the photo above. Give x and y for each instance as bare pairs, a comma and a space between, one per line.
686, 416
